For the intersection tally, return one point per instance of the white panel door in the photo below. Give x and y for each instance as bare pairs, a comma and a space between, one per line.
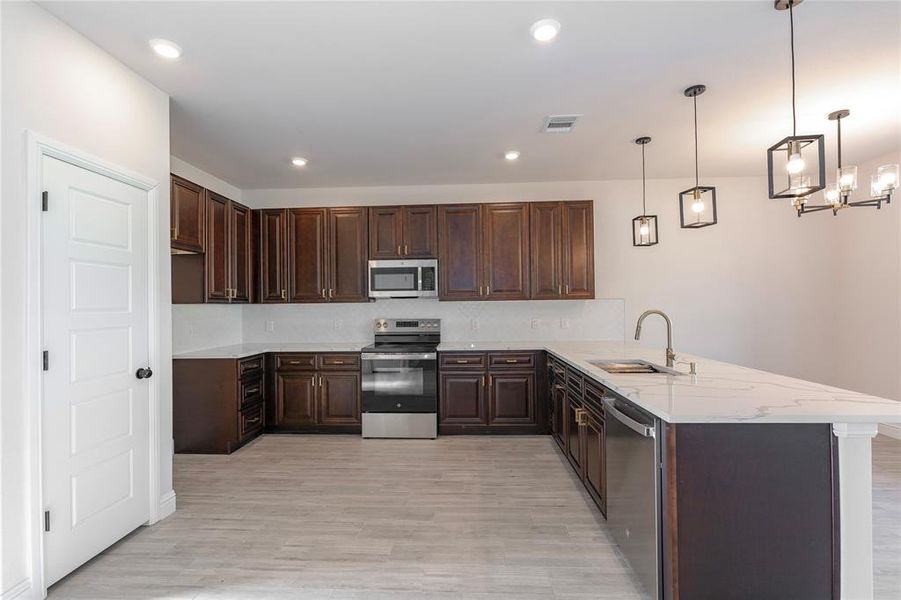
95, 323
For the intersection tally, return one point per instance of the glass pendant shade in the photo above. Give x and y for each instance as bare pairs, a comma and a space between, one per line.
697, 207
887, 179
796, 166
846, 177
644, 230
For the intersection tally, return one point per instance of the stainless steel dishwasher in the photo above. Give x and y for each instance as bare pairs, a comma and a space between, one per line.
634, 489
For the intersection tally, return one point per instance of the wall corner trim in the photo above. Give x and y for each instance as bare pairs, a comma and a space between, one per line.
167, 506
21, 590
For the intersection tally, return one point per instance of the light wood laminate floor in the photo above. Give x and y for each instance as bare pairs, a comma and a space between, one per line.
338, 517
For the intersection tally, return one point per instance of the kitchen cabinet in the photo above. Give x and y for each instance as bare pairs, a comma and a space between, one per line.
506, 251
228, 250
494, 392
316, 392
403, 232
594, 437
460, 273
217, 404
270, 229
562, 250
326, 255
186, 215
556, 386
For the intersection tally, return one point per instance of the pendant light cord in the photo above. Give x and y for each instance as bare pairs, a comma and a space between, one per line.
791, 21
644, 206
695, 98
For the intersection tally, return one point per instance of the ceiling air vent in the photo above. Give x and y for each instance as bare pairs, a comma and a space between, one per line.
560, 123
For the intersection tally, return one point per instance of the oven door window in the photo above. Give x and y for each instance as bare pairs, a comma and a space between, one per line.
394, 279
391, 385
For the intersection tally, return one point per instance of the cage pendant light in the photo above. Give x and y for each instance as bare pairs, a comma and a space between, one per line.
796, 165
644, 226
697, 205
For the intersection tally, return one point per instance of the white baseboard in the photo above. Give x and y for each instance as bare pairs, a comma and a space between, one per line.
21, 591
891, 430
167, 505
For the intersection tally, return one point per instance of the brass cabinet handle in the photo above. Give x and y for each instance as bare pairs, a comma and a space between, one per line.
566, 289
293, 362
559, 290
487, 290
284, 294
323, 293
462, 361
512, 361
252, 390
406, 249
400, 251
320, 381
338, 362
331, 293
254, 420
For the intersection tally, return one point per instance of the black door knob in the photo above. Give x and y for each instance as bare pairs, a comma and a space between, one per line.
144, 373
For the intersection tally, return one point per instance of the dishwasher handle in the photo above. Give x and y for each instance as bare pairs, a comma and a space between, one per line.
639, 428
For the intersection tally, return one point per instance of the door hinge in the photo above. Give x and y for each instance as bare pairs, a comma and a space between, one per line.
45, 359
46, 520
44, 201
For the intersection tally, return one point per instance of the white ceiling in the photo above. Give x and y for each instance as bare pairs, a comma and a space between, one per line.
393, 93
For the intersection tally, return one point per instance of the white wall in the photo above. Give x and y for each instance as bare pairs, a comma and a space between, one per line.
57, 84
203, 179
740, 291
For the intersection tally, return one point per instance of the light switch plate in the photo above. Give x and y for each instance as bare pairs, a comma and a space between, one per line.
536, 323
564, 323
270, 326
474, 324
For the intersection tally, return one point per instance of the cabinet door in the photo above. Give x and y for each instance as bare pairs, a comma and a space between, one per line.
578, 249
420, 232
386, 238
506, 251
511, 398
460, 252
572, 406
218, 249
347, 276
273, 256
241, 253
339, 399
546, 225
186, 215
462, 399
594, 436
307, 240
295, 399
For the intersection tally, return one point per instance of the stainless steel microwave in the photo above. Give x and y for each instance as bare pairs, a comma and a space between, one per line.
403, 278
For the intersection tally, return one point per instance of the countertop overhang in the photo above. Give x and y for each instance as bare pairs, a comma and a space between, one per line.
720, 392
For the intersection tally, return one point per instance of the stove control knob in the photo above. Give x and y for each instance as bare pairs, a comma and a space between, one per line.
398, 405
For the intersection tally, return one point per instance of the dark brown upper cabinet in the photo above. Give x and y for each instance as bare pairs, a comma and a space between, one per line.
562, 250
347, 267
403, 232
460, 272
484, 251
307, 237
272, 248
228, 250
186, 215
325, 255
506, 251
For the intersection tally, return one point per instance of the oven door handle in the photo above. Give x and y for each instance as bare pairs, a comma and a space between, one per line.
391, 356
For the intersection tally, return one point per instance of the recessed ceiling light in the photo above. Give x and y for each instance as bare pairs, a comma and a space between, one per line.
511, 154
545, 30
166, 49
299, 162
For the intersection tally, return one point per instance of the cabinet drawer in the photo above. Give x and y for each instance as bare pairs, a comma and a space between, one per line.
295, 362
339, 362
250, 422
574, 380
463, 361
594, 397
250, 366
511, 360
251, 391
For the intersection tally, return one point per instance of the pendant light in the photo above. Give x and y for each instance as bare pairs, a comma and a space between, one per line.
644, 226
838, 194
796, 165
697, 205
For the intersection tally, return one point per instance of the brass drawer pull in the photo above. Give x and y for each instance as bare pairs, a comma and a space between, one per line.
293, 362
252, 390
252, 421
512, 361
338, 362
462, 361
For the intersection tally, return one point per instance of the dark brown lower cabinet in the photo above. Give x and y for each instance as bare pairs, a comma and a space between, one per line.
494, 392
217, 404
594, 466
315, 393
556, 393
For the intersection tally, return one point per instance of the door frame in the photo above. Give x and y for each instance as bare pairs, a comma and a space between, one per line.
38, 147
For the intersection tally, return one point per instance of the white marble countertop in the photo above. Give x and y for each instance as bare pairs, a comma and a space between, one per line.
245, 350
719, 393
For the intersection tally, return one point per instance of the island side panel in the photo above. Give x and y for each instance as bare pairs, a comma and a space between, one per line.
750, 511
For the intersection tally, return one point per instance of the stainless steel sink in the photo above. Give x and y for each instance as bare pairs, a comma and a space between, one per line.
632, 367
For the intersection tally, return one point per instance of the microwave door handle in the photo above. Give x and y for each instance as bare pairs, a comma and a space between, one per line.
419, 273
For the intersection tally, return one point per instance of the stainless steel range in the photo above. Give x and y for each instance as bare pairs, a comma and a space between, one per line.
400, 379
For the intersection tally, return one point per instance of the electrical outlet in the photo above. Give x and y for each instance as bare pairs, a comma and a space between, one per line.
192, 331
536, 323
270, 326
338, 324
564, 323
474, 324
